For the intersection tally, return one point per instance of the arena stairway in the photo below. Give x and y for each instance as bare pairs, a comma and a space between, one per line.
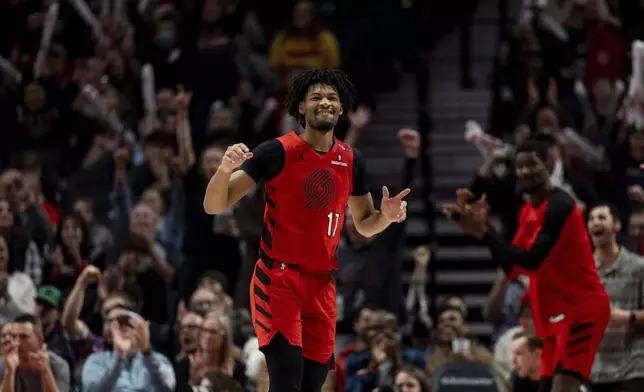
463, 266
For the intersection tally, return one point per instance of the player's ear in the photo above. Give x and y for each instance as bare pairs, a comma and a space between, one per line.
301, 108
618, 225
341, 111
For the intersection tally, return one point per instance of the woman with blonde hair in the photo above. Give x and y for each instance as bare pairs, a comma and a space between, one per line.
215, 352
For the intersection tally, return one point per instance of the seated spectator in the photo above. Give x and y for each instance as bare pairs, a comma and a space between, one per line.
17, 290
214, 382
215, 353
189, 328
411, 379
526, 354
27, 365
503, 346
376, 366
450, 330
147, 370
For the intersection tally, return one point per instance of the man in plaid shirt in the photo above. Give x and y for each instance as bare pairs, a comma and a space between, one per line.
619, 364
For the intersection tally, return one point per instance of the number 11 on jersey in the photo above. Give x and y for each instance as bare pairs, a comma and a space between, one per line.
334, 218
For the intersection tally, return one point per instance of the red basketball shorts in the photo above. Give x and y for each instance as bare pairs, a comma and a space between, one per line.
298, 304
572, 349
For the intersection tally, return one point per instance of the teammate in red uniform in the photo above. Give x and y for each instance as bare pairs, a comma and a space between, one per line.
569, 304
310, 178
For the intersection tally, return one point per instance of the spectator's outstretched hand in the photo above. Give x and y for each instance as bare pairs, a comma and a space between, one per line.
410, 140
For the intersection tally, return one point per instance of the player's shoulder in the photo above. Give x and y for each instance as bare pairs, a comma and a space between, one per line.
269, 147
561, 200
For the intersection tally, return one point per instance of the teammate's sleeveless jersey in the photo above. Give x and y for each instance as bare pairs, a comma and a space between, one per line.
305, 205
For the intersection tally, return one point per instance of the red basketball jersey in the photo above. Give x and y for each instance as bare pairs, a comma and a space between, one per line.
305, 204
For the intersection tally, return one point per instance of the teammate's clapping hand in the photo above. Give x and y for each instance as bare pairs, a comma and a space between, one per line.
394, 208
234, 157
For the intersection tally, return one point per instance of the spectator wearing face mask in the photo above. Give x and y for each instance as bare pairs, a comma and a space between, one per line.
131, 364
27, 365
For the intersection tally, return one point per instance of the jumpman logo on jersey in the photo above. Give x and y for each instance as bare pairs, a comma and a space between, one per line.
301, 157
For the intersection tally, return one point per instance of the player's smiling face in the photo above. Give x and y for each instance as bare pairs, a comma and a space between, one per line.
321, 107
602, 226
532, 173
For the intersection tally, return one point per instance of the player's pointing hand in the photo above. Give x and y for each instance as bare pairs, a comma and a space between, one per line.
394, 208
234, 157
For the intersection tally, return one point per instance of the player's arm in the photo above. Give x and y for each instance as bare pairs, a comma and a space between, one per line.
228, 185
560, 206
367, 220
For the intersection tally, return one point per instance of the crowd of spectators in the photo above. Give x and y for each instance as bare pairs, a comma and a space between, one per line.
115, 113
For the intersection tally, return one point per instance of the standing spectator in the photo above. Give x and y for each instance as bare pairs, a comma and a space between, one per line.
303, 45
619, 364
48, 303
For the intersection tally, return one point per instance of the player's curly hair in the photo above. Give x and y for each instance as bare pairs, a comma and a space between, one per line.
332, 77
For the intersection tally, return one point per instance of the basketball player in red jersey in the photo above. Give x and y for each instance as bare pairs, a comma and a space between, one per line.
569, 304
310, 179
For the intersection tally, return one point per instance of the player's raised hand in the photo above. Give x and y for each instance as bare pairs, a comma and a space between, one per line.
467, 201
466, 219
394, 208
234, 157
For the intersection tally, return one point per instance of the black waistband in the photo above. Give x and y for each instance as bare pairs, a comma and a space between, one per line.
270, 262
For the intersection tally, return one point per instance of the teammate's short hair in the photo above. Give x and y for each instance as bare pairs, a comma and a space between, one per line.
535, 145
328, 76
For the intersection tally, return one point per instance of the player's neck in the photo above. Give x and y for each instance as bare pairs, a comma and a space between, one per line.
540, 195
319, 141
607, 255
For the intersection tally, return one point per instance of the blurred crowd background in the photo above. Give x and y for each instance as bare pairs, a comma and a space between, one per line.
115, 114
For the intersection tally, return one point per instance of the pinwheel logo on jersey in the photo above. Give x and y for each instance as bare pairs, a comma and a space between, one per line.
319, 189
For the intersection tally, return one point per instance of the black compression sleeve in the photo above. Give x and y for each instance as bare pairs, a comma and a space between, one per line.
560, 206
360, 186
267, 161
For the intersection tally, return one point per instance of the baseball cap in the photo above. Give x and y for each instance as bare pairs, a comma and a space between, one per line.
49, 295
